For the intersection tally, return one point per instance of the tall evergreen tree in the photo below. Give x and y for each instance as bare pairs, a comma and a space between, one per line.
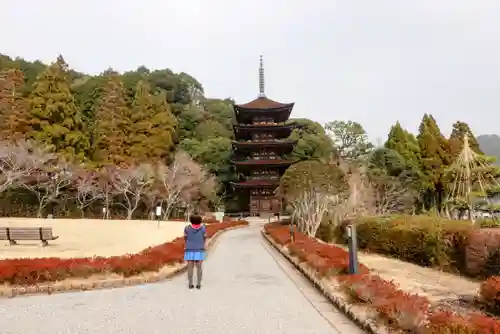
142, 113
13, 106
404, 143
456, 140
436, 157
55, 121
162, 133
112, 127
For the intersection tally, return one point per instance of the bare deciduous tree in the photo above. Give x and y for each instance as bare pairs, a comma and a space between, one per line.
153, 196
19, 160
47, 182
310, 206
180, 181
131, 183
392, 195
106, 188
87, 188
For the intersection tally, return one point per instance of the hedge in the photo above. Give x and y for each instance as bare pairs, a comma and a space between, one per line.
38, 270
450, 245
408, 312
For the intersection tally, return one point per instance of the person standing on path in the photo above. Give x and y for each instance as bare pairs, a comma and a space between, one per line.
195, 236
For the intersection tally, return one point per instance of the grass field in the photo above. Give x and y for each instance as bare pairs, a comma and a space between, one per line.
89, 237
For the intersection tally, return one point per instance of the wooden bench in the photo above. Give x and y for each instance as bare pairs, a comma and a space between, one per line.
14, 234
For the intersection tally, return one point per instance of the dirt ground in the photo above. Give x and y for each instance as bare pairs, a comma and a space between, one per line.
434, 284
90, 237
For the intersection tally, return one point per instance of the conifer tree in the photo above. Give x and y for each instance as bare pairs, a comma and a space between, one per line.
404, 143
142, 113
436, 158
456, 140
163, 131
13, 106
55, 121
111, 142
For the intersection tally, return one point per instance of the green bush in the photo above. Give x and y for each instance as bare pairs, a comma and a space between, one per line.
424, 240
488, 223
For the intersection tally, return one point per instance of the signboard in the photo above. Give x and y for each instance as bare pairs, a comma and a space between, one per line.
158, 211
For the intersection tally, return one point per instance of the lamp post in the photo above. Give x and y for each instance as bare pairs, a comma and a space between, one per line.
353, 248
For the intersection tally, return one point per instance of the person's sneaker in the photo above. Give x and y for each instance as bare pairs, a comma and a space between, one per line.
198, 286
191, 286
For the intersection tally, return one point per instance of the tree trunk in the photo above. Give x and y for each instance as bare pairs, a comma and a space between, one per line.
129, 214
39, 211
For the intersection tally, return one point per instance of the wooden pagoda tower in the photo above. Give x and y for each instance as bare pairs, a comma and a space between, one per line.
260, 150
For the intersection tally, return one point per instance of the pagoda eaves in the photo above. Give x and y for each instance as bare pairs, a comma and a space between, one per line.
261, 146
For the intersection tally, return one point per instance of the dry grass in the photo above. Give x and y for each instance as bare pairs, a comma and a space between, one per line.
89, 237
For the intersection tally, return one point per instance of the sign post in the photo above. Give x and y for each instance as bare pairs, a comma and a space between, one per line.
158, 214
292, 231
353, 249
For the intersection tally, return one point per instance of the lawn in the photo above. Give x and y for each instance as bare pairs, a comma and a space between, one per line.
90, 237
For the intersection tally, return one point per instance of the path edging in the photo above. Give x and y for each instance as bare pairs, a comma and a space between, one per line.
106, 283
340, 304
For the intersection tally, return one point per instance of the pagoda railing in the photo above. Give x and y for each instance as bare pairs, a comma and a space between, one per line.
270, 140
264, 124
261, 157
262, 177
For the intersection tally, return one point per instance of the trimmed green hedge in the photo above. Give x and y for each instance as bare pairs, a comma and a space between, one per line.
450, 245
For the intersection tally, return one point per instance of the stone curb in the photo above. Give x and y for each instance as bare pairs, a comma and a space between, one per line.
362, 321
59, 287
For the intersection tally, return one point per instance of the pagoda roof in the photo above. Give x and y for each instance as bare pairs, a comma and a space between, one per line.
264, 103
256, 183
262, 163
263, 126
268, 143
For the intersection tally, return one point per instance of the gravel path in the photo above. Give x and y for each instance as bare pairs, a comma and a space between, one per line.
244, 291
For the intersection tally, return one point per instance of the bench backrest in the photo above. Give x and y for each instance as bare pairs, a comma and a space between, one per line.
26, 233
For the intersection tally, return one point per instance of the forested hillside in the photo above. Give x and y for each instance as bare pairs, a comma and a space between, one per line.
162, 118
490, 144
127, 118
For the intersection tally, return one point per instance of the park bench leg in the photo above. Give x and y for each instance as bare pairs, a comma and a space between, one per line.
45, 243
12, 242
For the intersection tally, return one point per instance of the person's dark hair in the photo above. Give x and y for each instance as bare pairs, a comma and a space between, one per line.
195, 219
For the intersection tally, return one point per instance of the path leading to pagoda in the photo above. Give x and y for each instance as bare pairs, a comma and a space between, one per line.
248, 288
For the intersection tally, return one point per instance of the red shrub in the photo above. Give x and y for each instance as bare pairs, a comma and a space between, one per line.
32, 271
409, 312
489, 293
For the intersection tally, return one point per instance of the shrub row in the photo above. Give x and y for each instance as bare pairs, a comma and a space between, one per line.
38, 270
450, 245
409, 312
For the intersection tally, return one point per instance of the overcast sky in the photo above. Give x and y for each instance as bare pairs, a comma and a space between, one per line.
372, 61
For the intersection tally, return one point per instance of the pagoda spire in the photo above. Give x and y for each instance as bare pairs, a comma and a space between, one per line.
261, 78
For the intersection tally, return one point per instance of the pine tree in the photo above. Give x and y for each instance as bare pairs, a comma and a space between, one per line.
456, 140
55, 121
13, 106
111, 142
162, 133
436, 158
404, 143
142, 113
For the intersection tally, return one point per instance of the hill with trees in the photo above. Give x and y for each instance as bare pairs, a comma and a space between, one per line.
129, 140
490, 145
126, 119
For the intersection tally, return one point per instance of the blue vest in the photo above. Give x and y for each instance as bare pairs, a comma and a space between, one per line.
195, 238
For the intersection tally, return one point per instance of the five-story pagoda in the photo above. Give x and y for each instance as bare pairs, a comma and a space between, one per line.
260, 150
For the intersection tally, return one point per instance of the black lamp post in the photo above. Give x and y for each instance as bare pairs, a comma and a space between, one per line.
353, 248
